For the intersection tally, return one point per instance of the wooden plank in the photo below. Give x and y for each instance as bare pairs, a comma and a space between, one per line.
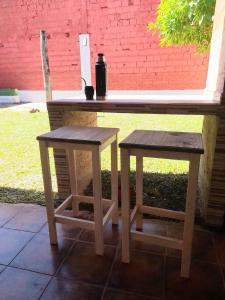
133, 215
108, 214
70, 146
108, 142
45, 164
160, 154
97, 193
114, 180
125, 201
86, 224
148, 106
71, 155
45, 65
90, 199
64, 205
80, 135
190, 215
139, 190
157, 240
161, 212
164, 141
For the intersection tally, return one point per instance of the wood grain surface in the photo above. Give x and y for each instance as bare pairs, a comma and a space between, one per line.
78, 134
165, 141
138, 106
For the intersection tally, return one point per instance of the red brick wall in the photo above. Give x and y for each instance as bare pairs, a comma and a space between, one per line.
117, 27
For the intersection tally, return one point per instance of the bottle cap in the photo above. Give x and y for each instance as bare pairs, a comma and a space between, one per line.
101, 57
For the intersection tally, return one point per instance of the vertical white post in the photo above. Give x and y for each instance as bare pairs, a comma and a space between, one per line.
85, 58
97, 194
216, 69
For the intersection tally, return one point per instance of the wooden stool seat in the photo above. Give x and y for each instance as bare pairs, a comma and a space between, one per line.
79, 135
167, 145
164, 141
71, 139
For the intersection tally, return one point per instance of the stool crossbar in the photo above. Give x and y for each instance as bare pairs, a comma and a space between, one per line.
71, 139
166, 145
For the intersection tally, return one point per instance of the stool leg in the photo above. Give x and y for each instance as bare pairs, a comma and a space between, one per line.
139, 190
114, 181
189, 215
48, 191
97, 193
71, 154
125, 201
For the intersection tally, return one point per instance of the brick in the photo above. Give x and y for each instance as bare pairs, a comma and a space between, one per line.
119, 28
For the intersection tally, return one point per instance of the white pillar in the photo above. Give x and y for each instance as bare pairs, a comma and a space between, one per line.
216, 69
85, 58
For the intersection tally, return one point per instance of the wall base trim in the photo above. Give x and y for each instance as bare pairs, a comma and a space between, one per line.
9, 99
39, 95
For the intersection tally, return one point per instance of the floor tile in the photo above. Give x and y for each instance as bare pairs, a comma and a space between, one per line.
202, 247
65, 289
7, 212
119, 295
2, 268
30, 218
111, 235
143, 275
223, 271
11, 243
16, 284
219, 239
175, 230
40, 256
205, 282
83, 264
151, 227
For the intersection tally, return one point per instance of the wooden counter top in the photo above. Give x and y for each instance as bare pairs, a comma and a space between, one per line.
192, 107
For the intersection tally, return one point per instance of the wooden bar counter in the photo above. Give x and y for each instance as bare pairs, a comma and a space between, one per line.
212, 168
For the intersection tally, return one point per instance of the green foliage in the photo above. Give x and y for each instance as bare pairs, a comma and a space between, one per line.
8, 92
185, 22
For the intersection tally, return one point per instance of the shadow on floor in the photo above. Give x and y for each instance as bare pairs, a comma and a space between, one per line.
160, 190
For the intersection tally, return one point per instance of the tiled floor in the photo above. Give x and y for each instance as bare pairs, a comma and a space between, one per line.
31, 269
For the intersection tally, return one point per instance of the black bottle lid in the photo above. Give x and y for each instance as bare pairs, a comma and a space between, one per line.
100, 58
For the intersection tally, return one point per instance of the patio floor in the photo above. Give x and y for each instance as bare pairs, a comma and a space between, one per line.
31, 269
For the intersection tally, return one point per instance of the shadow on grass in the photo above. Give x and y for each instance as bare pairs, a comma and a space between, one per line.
160, 190
13, 195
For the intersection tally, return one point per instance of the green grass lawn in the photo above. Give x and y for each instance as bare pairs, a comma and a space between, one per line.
19, 154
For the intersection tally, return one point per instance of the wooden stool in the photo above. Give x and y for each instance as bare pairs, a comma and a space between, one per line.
168, 145
72, 138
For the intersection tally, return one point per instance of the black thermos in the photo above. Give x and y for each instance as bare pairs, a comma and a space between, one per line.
101, 77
